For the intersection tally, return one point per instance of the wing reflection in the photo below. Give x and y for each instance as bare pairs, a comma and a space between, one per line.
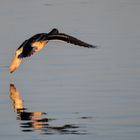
32, 121
36, 118
16, 99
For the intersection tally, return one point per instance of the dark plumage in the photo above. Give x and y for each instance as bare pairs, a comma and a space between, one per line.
38, 42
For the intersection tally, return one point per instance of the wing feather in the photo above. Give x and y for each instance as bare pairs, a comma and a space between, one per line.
69, 39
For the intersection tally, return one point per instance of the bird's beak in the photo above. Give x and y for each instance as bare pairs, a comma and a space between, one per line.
14, 64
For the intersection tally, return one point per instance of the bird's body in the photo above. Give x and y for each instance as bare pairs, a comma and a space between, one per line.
38, 42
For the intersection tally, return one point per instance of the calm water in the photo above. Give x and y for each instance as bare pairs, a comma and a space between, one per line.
67, 92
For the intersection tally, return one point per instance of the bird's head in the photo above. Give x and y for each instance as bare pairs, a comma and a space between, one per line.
53, 31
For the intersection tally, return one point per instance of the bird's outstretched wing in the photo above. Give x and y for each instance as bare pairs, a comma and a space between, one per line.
69, 39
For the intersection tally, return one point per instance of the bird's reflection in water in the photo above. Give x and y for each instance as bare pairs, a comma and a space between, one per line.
36, 120
33, 121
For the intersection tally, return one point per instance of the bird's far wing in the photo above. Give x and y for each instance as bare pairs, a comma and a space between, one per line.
15, 63
21, 52
69, 39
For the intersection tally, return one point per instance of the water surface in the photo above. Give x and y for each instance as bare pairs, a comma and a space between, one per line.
65, 91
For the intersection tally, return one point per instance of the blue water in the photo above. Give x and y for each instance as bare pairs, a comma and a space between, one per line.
65, 91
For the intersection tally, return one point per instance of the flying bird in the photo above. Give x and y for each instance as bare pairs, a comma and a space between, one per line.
38, 42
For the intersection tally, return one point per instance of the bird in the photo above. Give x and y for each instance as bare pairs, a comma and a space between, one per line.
38, 41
